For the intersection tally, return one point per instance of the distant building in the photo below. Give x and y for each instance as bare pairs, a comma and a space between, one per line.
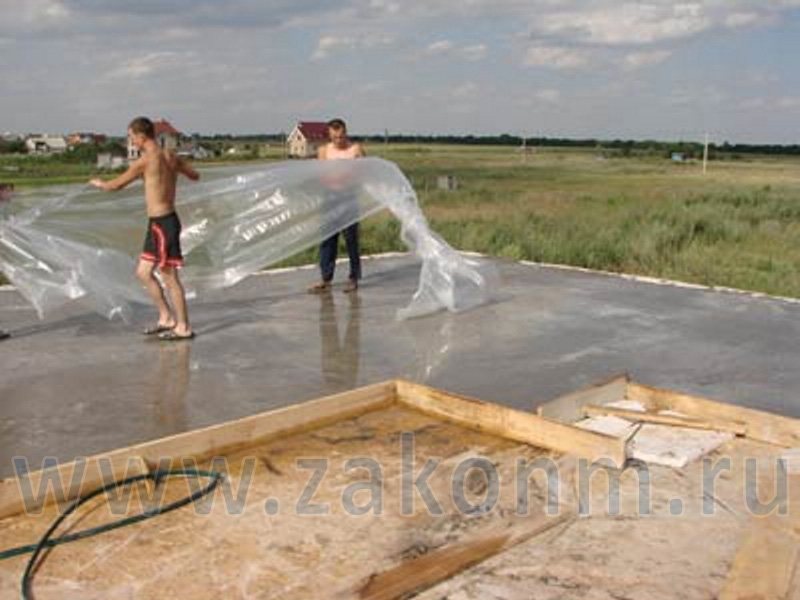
166, 136
195, 151
677, 157
46, 144
78, 138
447, 182
306, 138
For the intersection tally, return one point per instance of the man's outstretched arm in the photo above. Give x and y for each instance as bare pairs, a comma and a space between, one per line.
134, 172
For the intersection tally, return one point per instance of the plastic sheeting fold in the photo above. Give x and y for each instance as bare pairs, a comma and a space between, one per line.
62, 244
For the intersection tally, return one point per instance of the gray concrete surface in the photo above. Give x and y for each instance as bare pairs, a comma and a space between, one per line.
77, 384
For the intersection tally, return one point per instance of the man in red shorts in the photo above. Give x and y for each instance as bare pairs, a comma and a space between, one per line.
162, 248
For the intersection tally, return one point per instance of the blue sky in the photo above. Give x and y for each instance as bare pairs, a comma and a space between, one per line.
558, 68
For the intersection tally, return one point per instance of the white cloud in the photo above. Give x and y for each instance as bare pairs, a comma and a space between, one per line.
741, 19
465, 90
637, 60
377, 39
475, 52
330, 44
555, 57
627, 23
788, 102
751, 103
372, 87
705, 96
439, 47
385, 5
771, 104
549, 95
32, 15
243, 65
446, 47
149, 64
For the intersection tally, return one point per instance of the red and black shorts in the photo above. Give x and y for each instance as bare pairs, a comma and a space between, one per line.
162, 244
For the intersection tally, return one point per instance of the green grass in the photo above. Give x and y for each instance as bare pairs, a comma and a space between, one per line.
738, 225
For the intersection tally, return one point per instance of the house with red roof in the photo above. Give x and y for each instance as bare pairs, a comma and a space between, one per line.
306, 138
166, 136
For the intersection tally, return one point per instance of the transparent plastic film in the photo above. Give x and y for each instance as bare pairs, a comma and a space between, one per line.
62, 244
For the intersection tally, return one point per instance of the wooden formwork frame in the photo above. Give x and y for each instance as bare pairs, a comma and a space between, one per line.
218, 440
696, 411
767, 561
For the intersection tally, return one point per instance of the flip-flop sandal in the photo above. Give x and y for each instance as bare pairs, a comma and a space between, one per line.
157, 328
171, 336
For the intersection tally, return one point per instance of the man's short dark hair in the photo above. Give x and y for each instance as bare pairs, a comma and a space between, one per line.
337, 125
143, 125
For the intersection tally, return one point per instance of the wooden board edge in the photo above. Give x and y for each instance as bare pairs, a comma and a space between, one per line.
635, 416
758, 425
767, 561
414, 576
511, 423
567, 408
82, 475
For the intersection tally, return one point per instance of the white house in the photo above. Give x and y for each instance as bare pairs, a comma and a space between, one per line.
306, 138
46, 144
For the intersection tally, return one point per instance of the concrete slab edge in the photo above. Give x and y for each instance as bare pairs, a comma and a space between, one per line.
626, 276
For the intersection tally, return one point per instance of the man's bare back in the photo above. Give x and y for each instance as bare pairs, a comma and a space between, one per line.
160, 176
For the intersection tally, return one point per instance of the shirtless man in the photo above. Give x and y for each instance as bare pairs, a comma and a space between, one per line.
339, 147
159, 169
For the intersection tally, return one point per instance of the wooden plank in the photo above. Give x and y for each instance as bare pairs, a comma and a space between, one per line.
768, 559
512, 424
567, 408
593, 410
199, 444
416, 575
764, 566
759, 425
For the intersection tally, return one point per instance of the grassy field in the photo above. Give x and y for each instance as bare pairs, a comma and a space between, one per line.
738, 225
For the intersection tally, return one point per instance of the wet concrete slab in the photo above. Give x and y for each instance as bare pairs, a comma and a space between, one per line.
77, 384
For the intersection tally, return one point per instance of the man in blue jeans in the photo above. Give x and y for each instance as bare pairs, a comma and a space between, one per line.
339, 148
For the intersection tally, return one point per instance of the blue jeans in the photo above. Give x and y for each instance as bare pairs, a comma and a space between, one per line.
329, 249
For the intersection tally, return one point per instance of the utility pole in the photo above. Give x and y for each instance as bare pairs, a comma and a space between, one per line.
705, 155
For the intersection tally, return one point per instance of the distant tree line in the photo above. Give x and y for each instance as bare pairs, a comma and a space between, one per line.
611, 147
623, 147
